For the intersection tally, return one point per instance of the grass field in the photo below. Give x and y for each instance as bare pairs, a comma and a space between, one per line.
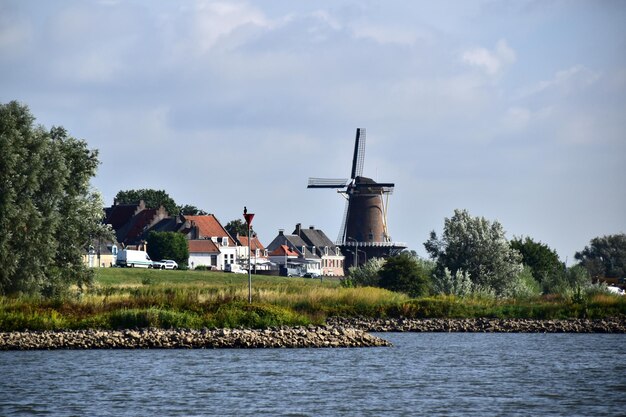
128, 298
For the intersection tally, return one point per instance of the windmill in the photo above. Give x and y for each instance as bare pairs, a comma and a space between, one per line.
364, 225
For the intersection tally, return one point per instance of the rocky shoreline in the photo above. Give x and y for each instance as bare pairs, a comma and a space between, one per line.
339, 332
281, 337
484, 325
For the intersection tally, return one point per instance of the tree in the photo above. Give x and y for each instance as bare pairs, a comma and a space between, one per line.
191, 210
152, 198
543, 261
237, 227
365, 275
168, 245
605, 256
405, 273
478, 247
48, 212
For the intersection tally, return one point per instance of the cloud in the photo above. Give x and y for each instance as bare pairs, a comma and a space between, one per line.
566, 81
215, 21
384, 34
492, 62
15, 33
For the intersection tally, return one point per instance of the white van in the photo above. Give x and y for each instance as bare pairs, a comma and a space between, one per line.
133, 258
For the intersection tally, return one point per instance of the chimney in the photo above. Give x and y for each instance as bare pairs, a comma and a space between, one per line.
281, 232
311, 227
298, 229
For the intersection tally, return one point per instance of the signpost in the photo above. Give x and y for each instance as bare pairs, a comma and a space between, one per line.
248, 217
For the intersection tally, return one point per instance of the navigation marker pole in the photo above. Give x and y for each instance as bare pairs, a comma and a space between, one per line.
249, 217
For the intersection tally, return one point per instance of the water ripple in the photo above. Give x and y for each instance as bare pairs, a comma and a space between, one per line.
424, 373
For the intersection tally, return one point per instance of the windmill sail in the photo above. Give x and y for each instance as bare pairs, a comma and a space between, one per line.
341, 238
359, 154
328, 182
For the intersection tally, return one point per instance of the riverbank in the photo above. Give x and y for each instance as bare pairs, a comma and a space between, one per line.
152, 338
484, 325
339, 332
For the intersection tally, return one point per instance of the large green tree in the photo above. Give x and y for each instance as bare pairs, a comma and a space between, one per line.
605, 256
478, 247
152, 199
542, 260
48, 212
168, 245
237, 227
191, 210
406, 273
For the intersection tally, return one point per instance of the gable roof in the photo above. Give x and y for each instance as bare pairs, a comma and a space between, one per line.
202, 246
208, 226
120, 214
315, 237
255, 243
283, 250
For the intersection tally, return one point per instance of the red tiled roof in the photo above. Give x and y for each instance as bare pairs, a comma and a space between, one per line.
209, 226
255, 243
202, 246
283, 250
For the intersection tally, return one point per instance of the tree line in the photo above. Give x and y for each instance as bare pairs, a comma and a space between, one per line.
472, 257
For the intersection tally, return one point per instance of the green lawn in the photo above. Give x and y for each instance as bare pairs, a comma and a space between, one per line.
121, 277
128, 298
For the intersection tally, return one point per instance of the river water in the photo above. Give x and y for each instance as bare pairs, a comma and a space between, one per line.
423, 374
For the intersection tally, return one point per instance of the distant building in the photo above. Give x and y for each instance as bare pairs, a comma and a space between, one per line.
203, 252
132, 221
101, 253
308, 251
207, 227
209, 243
259, 259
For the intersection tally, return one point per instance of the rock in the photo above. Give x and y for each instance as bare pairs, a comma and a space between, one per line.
183, 338
611, 325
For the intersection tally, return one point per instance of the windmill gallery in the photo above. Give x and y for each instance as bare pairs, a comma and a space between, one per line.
363, 231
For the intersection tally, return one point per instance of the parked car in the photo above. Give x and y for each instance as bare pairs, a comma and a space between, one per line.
311, 275
235, 268
165, 264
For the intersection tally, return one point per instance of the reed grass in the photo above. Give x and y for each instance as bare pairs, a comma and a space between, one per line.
129, 298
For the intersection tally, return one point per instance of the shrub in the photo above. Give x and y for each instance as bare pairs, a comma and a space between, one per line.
406, 273
366, 275
458, 284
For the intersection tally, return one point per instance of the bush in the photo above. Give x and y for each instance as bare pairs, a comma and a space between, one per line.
366, 275
202, 268
153, 317
256, 316
406, 273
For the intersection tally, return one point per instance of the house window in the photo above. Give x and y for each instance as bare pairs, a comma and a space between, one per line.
303, 250
214, 260
370, 236
326, 250
265, 252
257, 252
224, 241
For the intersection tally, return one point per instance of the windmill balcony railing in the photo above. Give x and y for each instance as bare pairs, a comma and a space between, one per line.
373, 244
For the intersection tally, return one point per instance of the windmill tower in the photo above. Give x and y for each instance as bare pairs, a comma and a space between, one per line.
363, 234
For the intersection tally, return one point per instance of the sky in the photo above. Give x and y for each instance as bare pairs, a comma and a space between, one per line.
512, 110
